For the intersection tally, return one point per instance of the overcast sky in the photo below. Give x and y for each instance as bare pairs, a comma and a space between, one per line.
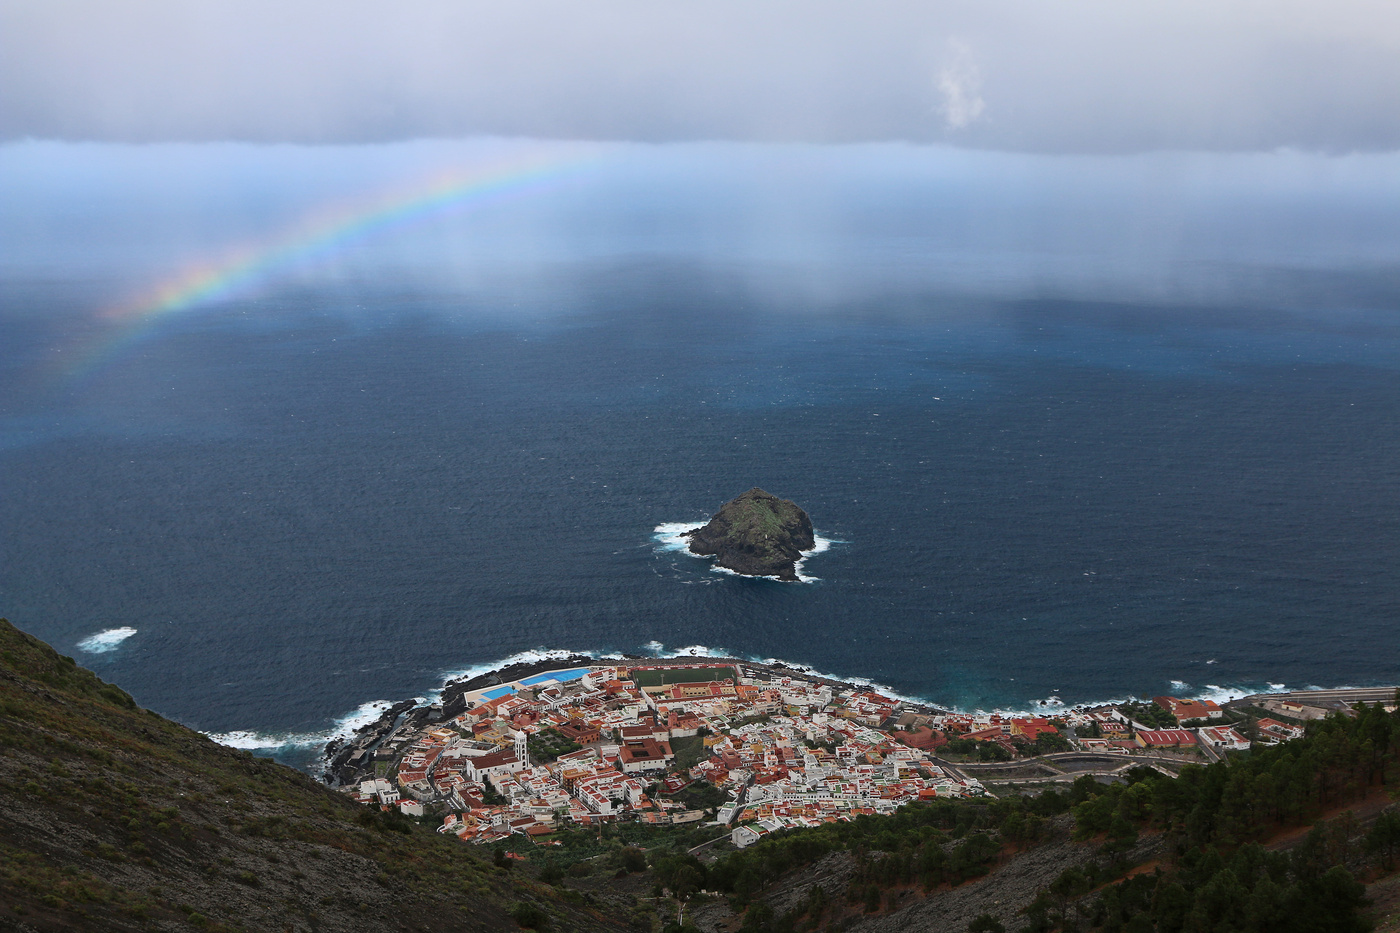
1062, 76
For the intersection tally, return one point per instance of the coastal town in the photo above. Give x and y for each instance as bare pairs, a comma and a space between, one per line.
752, 748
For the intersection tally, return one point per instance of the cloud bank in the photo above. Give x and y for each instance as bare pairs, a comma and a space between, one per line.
1071, 76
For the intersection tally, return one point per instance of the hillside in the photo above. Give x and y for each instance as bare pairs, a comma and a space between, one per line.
1298, 838
114, 818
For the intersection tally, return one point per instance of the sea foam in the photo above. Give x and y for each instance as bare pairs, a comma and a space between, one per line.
674, 537
1217, 693
343, 728
658, 650
346, 726
106, 640
1223, 694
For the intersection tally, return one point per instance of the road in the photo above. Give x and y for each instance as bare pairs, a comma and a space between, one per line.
1115, 765
1104, 757
1348, 695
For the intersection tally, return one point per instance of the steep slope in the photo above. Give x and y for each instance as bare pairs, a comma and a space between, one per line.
114, 818
1284, 840
757, 535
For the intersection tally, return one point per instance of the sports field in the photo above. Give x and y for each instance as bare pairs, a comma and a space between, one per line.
684, 675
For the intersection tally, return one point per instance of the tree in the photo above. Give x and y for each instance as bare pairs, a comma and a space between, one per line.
986, 924
683, 874
633, 860
1384, 837
992, 751
529, 916
1050, 742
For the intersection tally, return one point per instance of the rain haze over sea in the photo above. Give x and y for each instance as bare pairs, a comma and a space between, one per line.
289, 432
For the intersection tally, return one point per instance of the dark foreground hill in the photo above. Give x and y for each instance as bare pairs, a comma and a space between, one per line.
114, 818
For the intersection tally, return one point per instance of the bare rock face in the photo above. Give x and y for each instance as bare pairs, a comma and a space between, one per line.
756, 535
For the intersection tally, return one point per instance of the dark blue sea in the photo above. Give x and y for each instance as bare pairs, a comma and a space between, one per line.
290, 502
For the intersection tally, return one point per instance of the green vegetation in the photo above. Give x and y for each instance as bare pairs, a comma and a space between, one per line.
667, 676
529, 916
549, 744
701, 795
1048, 743
604, 846
1150, 715
763, 516
986, 924
1215, 874
689, 751
118, 819
972, 748
943, 842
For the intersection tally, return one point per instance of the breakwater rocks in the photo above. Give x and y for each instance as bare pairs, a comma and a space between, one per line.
346, 759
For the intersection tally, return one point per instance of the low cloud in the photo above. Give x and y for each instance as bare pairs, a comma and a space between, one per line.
1072, 76
960, 83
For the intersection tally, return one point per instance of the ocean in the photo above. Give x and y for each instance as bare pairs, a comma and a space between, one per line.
295, 500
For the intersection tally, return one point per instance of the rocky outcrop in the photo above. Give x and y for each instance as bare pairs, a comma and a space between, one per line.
757, 535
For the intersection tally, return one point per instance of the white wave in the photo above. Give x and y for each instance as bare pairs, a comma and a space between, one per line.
658, 650
1223, 694
694, 651
343, 728
346, 726
803, 670
672, 536
366, 713
1215, 692
528, 656
747, 576
1218, 693
819, 545
106, 640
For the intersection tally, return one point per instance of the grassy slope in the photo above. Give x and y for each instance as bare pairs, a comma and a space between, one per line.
114, 818
759, 525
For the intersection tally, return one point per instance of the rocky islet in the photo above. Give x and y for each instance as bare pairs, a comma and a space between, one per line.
756, 535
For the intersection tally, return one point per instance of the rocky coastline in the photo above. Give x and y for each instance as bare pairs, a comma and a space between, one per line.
348, 760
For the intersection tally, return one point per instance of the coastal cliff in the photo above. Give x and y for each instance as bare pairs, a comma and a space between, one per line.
756, 535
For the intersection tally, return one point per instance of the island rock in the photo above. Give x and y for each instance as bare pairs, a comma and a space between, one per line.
756, 535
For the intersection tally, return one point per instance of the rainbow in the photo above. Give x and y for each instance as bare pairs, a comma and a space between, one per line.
319, 234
